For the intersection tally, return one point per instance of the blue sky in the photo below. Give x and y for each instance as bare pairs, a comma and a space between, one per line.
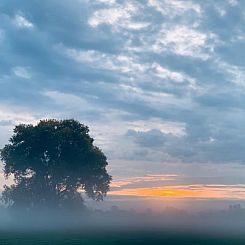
161, 84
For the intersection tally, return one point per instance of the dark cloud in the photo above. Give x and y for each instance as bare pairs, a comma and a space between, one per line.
153, 138
6, 123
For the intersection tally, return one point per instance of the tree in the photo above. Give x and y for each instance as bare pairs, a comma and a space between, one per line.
52, 163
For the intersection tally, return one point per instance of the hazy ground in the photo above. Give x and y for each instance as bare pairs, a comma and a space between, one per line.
124, 227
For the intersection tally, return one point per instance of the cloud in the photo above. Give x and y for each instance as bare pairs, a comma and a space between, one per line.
22, 23
1, 35
233, 2
121, 63
22, 72
178, 77
167, 74
6, 123
152, 138
11, 116
183, 41
174, 128
157, 81
141, 180
171, 8
153, 99
15, 115
119, 16
236, 73
67, 100
109, 2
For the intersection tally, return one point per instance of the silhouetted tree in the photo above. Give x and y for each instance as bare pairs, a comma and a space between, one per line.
52, 163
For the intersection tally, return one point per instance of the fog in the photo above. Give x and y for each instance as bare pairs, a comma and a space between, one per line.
225, 222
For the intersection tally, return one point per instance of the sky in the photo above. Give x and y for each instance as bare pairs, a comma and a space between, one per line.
160, 83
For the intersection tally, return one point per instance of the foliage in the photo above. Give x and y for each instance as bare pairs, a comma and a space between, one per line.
52, 163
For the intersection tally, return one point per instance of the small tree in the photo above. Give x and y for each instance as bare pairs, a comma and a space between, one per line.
52, 163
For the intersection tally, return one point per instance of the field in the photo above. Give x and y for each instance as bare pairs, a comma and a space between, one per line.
116, 237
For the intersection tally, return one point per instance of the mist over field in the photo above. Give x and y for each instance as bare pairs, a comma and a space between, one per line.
224, 222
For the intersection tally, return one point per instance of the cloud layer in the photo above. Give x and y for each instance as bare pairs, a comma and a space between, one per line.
155, 80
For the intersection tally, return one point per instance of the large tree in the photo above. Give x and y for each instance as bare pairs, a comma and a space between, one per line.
52, 163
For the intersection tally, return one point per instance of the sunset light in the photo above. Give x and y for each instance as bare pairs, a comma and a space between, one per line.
187, 191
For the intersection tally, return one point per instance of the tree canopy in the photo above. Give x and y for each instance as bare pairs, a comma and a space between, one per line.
52, 163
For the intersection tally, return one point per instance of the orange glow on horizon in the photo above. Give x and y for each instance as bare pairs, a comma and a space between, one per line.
186, 191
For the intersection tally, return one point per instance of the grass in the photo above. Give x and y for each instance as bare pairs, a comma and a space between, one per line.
115, 237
